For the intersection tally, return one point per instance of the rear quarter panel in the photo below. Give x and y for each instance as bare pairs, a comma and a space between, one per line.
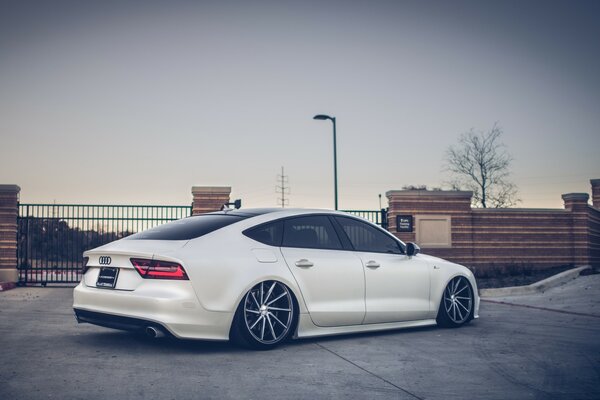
223, 267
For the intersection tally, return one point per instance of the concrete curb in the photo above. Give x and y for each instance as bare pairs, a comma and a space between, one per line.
537, 287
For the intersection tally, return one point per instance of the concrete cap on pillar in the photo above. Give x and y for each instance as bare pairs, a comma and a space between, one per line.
576, 197
430, 193
211, 189
10, 189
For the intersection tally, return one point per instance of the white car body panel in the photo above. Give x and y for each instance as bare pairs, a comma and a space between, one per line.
173, 305
397, 290
331, 301
307, 329
339, 294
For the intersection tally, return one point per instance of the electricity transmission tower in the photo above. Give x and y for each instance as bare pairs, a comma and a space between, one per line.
283, 189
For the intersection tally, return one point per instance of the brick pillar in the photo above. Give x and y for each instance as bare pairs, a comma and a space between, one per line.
450, 205
414, 202
9, 211
577, 204
576, 201
595, 193
209, 198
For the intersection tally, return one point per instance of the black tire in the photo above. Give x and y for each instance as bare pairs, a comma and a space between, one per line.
266, 317
457, 303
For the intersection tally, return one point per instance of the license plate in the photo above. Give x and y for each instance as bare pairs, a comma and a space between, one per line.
107, 277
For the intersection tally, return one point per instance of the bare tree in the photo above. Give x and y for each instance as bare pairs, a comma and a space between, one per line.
481, 163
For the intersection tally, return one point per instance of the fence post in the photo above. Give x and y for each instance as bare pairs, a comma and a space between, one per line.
384, 218
9, 212
209, 198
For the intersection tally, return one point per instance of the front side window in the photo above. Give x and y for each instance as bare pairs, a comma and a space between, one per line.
365, 237
314, 232
188, 228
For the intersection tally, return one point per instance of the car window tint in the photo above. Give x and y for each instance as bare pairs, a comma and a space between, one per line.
187, 228
365, 237
269, 234
315, 232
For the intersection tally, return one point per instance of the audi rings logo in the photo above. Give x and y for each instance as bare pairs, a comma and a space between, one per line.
104, 260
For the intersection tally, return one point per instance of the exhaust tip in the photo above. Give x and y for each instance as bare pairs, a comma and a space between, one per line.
154, 333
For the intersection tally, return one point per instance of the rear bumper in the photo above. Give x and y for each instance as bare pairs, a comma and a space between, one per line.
113, 321
172, 305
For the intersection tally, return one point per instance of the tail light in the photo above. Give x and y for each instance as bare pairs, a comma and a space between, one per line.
85, 266
157, 269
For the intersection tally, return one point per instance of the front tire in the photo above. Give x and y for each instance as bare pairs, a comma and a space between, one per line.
456, 306
266, 316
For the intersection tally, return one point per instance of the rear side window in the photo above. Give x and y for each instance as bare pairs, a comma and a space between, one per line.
313, 232
269, 234
188, 228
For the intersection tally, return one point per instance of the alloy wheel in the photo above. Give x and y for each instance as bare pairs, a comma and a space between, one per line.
268, 312
458, 300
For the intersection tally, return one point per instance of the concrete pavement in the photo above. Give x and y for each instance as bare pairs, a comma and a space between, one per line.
511, 352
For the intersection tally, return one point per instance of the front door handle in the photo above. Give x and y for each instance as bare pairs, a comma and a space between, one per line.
304, 263
372, 264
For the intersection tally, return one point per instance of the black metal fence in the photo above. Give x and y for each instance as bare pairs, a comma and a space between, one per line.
375, 216
52, 237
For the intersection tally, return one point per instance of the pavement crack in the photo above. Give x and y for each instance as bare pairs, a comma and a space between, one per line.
369, 372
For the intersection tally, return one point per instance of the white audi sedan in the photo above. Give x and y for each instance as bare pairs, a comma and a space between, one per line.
261, 276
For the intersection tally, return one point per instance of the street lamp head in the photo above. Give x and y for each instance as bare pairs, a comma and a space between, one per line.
323, 117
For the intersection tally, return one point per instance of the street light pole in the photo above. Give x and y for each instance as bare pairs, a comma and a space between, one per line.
335, 165
335, 184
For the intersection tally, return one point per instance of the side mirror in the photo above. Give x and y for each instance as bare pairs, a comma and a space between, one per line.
412, 249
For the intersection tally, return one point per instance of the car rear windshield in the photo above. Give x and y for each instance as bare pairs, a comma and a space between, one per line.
188, 228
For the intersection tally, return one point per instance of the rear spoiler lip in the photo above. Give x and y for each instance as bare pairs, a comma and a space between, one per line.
134, 254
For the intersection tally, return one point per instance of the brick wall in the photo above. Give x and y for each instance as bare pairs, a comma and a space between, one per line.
538, 238
9, 198
530, 237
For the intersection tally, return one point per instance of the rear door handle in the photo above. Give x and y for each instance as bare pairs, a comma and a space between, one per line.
304, 263
372, 264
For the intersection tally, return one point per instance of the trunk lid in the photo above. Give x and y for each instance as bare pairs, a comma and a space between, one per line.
118, 254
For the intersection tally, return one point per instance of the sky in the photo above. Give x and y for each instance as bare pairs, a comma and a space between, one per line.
135, 102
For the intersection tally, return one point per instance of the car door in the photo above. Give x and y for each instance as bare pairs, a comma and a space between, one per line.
331, 279
397, 286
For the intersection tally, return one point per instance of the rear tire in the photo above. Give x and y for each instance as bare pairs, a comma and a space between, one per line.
456, 306
266, 316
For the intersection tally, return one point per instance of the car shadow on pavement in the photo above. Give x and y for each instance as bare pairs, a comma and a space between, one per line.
122, 340
128, 341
